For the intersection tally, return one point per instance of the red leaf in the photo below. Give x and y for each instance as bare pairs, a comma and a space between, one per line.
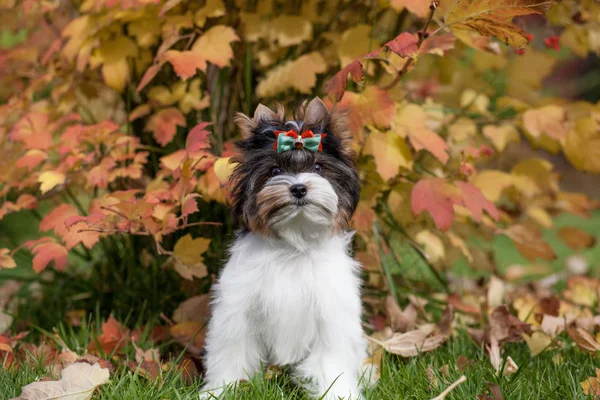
185, 63
476, 202
164, 123
405, 44
27, 201
337, 84
189, 205
438, 197
198, 138
46, 252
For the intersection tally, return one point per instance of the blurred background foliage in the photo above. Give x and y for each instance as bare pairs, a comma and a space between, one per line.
100, 98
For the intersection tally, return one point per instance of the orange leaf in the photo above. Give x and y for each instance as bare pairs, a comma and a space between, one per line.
164, 123
32, 159
185, 63
198, 138
189, 205
33, 131
55, 221
476, 202
46, 252
438, 197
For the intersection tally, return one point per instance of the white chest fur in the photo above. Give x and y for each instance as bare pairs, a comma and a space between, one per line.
275, 304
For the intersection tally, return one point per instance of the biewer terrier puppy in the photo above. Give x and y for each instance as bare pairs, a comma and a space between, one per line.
290, 292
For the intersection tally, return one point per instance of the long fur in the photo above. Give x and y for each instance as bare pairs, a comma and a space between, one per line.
290, 292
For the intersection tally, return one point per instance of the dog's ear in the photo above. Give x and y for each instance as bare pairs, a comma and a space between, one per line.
334, 122
262, 114
316, 112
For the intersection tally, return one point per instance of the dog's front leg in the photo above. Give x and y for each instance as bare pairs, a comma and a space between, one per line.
331, 368
232, 348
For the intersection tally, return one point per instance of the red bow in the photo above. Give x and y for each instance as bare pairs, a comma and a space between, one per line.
298, 142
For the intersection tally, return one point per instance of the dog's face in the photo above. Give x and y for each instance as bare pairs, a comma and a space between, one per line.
288, 189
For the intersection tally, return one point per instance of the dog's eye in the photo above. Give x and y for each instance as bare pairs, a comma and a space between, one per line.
276, 171
318, 168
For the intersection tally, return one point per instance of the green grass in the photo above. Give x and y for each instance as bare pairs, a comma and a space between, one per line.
537, 378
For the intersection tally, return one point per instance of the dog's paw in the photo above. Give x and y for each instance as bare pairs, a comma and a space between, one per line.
206, 393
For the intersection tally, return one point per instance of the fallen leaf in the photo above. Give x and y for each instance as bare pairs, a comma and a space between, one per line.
575, 238
78, 382
528, 240
537, 342
400, 320
193, 309
591, 386
583, 339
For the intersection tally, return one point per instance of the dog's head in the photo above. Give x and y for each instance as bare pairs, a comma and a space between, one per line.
295, 179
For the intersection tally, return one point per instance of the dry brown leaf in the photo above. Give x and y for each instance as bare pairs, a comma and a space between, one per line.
575, 238
400, 321
505, 327
528, 240
415, 342
193, 309
584, 339
77, 383
552, 325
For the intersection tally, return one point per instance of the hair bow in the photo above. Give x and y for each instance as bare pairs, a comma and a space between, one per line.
291, 140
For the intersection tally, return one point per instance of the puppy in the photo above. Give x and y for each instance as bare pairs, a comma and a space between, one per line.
290, 292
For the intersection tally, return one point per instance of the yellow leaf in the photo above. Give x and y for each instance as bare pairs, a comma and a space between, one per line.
462, 129
290, 30
492, 183
476, 102
390, 153
582, 146
591, 386
215, 45
190, 250
433, 245
223, 168
540, 216
116, 74
417, 7
145, 30
212, 9
501, 135
549, 120
355, 42
193, 99
537, 342
253, 28
116, 50
299, 74
6, 260
527, 72
492, 17
399, 203
50, 179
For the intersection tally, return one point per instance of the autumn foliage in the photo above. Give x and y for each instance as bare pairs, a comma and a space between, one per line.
116, 130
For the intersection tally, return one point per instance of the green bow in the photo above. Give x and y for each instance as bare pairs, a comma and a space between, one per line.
291, 140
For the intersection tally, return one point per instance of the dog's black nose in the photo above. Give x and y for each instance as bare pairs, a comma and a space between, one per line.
298, 190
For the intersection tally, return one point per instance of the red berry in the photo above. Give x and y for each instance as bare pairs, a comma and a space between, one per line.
552, 42
529, 37
520, 51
